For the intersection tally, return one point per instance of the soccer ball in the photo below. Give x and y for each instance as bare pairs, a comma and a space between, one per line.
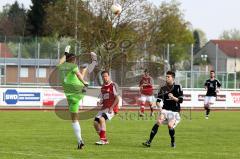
116, 9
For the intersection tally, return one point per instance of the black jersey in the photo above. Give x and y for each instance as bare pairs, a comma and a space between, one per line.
170, 104
212, 86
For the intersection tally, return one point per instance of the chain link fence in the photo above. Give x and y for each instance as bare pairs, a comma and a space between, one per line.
32, 61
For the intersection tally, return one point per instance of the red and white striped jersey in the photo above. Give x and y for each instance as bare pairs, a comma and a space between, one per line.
146, 84
109, 92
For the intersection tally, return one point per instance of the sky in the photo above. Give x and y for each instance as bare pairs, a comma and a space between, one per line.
211, 16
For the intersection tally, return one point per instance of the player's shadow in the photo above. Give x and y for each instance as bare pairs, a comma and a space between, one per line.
62, 111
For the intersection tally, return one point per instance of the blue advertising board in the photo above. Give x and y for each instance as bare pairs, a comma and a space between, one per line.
12, 96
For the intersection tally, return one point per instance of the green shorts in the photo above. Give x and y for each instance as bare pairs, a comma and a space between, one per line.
74, 95
73, 102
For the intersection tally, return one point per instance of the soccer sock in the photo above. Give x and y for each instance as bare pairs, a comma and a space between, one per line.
142, 109
207, 111
102, 135
153, 132
172, 133
77, 130
151, 108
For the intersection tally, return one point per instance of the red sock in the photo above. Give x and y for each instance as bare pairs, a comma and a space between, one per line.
102, 135
142, 109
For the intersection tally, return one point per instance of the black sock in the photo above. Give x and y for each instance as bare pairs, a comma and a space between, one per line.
153, 132
207, 111
172, 134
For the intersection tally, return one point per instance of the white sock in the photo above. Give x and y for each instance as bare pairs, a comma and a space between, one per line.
77, 130
91, 66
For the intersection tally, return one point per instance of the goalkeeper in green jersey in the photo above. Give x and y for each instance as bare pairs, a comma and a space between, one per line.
73, 84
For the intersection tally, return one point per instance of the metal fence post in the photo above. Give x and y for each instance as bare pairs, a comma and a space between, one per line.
5, 66
19, 63
235, 80
191, 65
216, 62
0, 66
168, 57
38, 57
58, 57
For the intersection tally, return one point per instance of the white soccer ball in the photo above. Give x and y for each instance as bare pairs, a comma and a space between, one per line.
116, 9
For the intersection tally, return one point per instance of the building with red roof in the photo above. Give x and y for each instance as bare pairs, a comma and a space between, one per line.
223, 55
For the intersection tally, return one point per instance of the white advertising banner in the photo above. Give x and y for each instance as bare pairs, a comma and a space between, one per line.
47, 97
20, 97
53, 97
225, 99
38, 97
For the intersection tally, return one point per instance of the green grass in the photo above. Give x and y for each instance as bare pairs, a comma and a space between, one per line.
36, 135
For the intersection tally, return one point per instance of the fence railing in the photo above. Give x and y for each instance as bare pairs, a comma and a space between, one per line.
32, 61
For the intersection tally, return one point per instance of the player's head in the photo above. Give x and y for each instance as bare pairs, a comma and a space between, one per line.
146, 72
212, 73
70, 57
170, 76
105, 76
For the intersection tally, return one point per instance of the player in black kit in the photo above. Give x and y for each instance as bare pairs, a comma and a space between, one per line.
212, 86
172, 96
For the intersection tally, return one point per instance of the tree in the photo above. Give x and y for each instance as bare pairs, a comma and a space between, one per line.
169, 27
13, 20
200, 39
197, 43
233, 34
202, 36
149, 28
36, 17
95, 23
17, 15
5, 24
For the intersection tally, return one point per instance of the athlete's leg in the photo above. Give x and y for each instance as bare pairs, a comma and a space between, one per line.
73, 102
142, 103
149, 103
212, 100
77, 129
206, 106
102, 133
96, 125
154, 130
172, 131
173, 120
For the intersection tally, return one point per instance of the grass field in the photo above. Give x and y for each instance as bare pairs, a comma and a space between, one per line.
37, 134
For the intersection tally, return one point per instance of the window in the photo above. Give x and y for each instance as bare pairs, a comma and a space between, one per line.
41, 73
24, 72
2, 71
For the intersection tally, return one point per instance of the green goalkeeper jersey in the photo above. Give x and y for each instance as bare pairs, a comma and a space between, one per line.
69, 80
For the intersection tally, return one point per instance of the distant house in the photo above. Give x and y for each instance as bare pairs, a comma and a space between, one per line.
27, 71
223, 55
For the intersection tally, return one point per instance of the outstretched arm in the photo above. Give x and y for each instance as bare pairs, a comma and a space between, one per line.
83, 72
63, 58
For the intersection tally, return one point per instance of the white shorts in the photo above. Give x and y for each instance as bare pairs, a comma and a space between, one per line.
146, 98
169, 116
209, 100
105, 111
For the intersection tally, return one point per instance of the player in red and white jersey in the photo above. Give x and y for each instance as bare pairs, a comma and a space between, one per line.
109, 106
146, 90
